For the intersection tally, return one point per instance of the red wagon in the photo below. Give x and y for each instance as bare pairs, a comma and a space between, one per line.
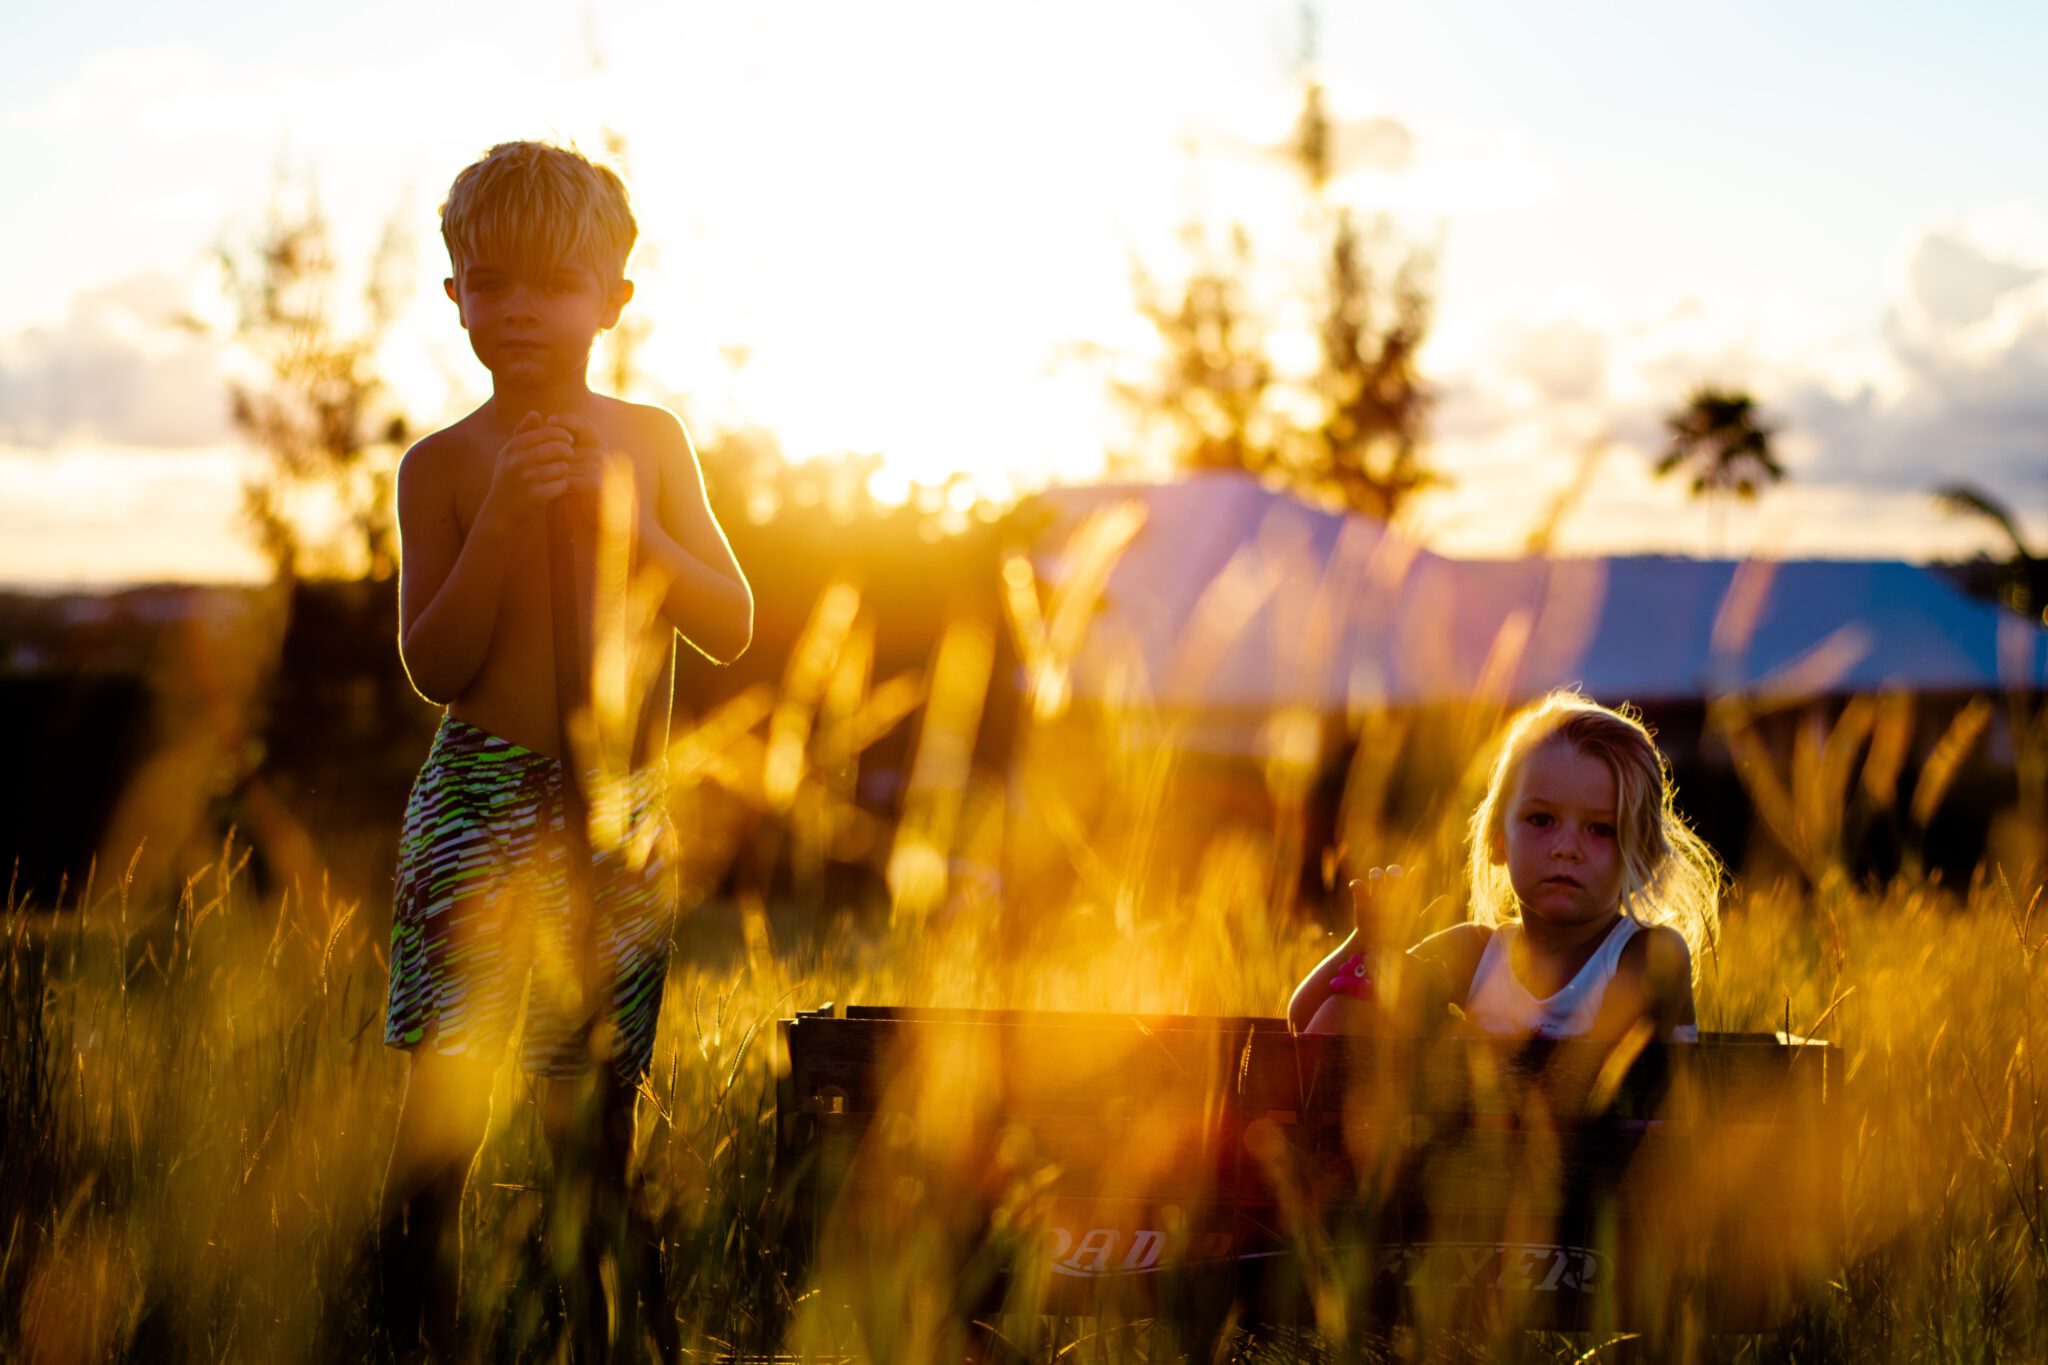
1216, 1170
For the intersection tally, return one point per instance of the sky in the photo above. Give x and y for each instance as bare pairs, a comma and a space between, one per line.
909, 228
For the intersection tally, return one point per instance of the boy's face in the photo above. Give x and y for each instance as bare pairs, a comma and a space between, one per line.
533, 324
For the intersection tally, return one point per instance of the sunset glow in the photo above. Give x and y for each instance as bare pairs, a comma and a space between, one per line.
1319, 681
912, 232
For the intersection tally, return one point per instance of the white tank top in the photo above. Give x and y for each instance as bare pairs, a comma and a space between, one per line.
1499, 1003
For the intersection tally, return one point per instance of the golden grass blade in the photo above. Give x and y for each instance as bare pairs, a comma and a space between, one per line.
1891, 738
958, 688
1945, 760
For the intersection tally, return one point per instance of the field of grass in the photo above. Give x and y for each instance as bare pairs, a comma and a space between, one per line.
192, 1154
196, 1105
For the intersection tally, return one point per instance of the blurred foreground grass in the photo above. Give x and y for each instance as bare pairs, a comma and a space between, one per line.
197, 1107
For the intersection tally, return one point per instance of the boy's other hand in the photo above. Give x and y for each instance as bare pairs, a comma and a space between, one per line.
593, 454
532, 470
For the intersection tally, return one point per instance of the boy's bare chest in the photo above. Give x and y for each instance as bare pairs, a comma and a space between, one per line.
550, 586
476, 463
558, 549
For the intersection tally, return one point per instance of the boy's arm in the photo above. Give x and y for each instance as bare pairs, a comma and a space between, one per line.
707, 599
449, 582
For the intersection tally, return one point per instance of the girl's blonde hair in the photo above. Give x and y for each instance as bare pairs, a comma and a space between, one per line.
536, 204
1669, 875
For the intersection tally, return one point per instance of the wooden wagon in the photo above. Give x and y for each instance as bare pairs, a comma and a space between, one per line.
1210, 1170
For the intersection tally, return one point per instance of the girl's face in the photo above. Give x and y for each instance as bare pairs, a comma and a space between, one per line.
1559, 838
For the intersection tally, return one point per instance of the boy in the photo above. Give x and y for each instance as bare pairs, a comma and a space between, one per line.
516, 523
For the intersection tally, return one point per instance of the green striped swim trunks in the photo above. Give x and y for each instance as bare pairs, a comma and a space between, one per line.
481, 920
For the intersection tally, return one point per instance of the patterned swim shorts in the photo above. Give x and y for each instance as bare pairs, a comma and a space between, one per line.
482, 919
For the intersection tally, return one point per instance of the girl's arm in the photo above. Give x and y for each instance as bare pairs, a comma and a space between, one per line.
1433, 975
1364, 983
1653, 981
1440, 969
1365, 939
1314, 991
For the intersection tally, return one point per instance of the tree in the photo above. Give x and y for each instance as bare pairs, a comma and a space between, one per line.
1211, 389
1350, 431
620, 344
321, 416
1366, 450
2025, 589
1721, 436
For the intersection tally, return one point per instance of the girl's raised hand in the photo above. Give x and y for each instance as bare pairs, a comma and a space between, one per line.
1366, 892
1359, 975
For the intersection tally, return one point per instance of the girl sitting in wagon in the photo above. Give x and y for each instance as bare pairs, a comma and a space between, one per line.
1591, 899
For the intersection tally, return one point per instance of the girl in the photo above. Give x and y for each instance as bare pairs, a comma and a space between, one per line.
1591, 899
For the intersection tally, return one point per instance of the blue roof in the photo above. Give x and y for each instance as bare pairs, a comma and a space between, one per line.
1232, 596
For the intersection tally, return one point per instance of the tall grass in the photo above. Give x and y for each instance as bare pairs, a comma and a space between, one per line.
194, 1142
196, 1106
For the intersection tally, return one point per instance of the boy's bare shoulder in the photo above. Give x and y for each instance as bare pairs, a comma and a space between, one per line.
435, 452
661, 429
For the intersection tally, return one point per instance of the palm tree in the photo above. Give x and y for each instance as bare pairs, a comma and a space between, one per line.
2026, 585
1721, 436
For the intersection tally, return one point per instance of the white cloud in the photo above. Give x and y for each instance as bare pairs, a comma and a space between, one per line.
1565, 360
1422, 168
1950, 385
1956, 283
1966, 397
136, 88
1377, 143
118, 368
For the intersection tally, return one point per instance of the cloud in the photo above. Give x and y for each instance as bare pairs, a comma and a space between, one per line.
1950, 386
1566, 360
141, 88
119, 369
1966, 398
1549, 381
1954, 282
1371, 144
1425, 168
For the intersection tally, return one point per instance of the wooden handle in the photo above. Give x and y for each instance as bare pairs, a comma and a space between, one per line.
572, 695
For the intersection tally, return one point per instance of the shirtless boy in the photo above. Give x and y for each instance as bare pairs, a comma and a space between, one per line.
538, 238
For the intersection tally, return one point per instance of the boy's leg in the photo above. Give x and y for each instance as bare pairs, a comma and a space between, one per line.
471, 876
591, 1138
578, 1115
442, 1122
588, 1101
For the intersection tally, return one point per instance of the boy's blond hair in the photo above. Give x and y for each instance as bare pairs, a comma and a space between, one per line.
1669, 874
537, 205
